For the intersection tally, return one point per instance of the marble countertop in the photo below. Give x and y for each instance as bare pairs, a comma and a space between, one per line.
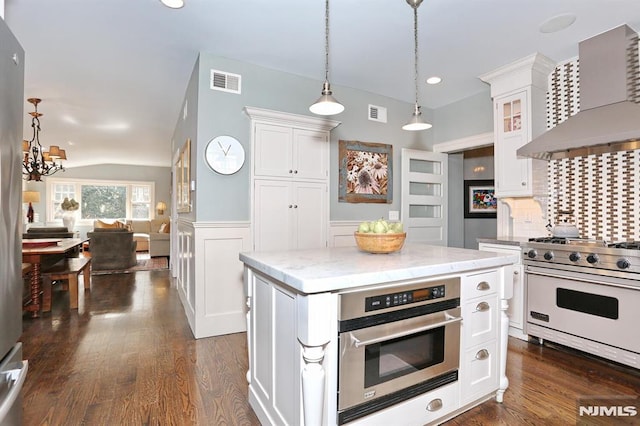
332, 269
510, 241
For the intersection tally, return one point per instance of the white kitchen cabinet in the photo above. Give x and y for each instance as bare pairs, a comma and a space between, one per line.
519, 100
290, 180
289, 152
513, 175
290, 214
516, 311
480, 332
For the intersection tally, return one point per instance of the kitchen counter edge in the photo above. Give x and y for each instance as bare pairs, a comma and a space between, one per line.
334, 269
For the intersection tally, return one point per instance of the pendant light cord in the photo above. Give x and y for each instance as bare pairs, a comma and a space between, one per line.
415, 50
326, 41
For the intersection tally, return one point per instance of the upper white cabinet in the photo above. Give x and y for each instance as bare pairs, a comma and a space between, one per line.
290, 180
288, 152
519, 99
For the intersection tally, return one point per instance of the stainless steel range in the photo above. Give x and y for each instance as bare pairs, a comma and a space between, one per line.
585, 294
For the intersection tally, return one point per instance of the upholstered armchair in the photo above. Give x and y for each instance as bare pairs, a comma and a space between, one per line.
112, 249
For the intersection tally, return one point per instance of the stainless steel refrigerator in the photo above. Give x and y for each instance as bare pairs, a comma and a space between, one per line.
13, 370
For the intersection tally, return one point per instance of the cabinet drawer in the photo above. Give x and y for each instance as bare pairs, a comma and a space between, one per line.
479, 320
420, 410
478, 285
479, 372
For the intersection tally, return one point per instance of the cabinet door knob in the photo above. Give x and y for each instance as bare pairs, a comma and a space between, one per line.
290, 171
524, 183
482, 354
482, 307
483, 285
434, 405
295, 206
290, 205
295, 172
516, 272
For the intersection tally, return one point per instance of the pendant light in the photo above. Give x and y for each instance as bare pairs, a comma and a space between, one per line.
416, 122
326, 104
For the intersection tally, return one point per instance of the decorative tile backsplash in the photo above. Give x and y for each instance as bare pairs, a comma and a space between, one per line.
602, 190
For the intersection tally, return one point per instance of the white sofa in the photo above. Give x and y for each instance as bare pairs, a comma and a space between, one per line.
148, 236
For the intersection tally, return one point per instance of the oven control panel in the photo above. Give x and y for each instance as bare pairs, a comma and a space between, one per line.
384, 301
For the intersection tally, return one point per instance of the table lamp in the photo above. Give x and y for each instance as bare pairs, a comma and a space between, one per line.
30, 197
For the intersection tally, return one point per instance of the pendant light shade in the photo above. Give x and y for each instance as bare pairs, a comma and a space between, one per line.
415, 122
326, 104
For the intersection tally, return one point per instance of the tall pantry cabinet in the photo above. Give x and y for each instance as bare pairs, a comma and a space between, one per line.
289, 180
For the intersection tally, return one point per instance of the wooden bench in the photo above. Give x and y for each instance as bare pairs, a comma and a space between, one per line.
67, 269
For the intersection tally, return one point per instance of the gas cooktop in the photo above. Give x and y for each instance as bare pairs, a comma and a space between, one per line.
598, 255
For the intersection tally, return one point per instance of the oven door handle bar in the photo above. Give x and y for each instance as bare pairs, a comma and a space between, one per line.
357, 343
589, 280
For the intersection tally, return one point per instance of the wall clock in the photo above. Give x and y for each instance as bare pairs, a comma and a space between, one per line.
224, 154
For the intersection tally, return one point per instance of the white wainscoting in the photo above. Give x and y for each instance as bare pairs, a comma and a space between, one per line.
341, 233
213, 294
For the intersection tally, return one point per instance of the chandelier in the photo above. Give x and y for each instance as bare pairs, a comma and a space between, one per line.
38, 162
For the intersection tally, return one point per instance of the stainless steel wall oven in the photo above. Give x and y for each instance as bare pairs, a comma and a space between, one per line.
396, 343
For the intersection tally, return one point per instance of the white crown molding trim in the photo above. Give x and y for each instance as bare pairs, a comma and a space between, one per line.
463, 144
286, 118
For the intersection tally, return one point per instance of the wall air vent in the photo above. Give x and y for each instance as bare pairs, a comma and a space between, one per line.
377, 113
226, 81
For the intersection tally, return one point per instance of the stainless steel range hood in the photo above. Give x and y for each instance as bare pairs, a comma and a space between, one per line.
608, 120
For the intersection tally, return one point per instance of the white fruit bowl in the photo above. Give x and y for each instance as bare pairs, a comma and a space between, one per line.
380, 243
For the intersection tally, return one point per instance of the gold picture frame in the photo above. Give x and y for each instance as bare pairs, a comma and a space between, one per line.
183, 178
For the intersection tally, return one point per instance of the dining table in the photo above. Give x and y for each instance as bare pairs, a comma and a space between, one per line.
38, 251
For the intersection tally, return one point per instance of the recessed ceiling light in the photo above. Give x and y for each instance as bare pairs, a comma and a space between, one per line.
557, 23
434, 80
173, 4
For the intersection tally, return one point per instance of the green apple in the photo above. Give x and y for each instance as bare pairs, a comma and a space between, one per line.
364, 228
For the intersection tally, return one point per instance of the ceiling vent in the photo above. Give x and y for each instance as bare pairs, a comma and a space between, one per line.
377, 113
226, 81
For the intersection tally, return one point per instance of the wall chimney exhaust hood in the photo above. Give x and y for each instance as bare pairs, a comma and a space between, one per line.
609, 117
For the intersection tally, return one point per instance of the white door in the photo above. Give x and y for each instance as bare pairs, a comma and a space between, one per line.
310, 215
424, 196
273, 228
273, 150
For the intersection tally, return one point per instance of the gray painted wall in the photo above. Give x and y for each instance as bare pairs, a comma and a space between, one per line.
478, 228
468, 117
226, 198
213, 113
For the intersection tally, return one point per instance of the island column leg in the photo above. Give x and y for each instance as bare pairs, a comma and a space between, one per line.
504, 340
313, 376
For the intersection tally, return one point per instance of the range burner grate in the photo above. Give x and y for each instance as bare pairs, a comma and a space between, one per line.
628, 245
552, 240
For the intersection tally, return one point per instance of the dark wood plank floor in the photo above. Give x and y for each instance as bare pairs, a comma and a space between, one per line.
127, 357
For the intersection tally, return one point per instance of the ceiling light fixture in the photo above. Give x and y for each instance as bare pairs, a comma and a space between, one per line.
434, 80
173, 4
38, 162
326, 104
416, 122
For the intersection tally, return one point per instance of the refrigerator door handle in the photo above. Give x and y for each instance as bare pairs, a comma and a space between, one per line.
18, 377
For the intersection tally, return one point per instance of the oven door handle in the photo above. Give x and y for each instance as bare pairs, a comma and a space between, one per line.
574, 277
357, 343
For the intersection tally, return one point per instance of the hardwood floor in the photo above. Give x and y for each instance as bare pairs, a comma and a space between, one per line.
127, 357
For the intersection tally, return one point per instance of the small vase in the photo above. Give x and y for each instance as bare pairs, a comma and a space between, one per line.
69, 219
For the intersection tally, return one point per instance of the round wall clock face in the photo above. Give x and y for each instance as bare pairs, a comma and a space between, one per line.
224, 154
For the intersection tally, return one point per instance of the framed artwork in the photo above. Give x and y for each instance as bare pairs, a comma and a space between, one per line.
479, 199
365, 172
183, 178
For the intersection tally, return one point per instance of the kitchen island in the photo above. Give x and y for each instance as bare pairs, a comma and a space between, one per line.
294, 304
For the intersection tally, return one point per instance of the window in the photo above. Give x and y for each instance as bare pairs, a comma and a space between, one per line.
101, 199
